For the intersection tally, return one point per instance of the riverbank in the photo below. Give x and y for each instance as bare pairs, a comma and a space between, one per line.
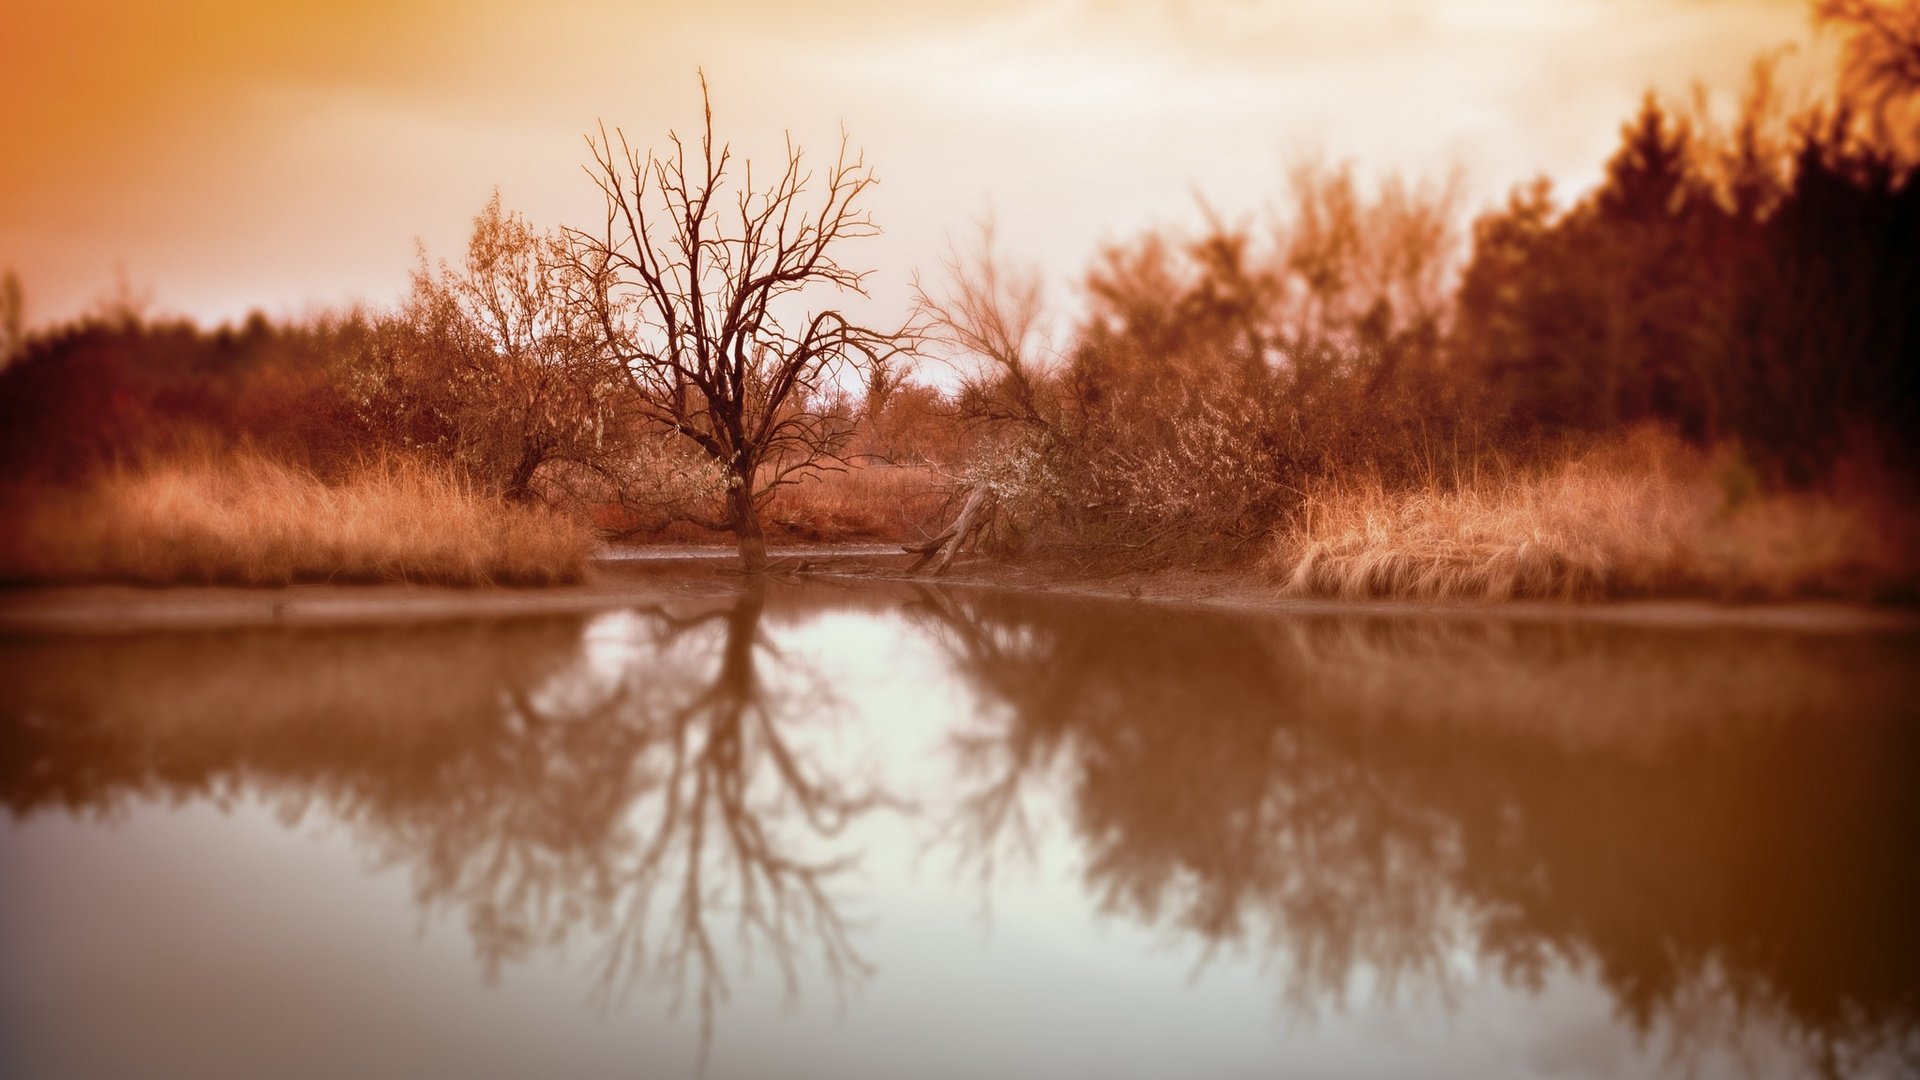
244, 519
1248, 590
638, 578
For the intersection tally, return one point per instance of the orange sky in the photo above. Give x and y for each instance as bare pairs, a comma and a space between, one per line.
285, 156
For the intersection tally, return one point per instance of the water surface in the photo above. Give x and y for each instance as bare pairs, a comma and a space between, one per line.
893, 831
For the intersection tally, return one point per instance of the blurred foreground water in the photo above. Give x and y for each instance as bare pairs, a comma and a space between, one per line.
891, 831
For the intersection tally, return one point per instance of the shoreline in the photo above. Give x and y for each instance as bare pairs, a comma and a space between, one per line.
638, 577
1248, 592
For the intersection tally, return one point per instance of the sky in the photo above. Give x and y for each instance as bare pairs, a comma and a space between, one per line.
293, 157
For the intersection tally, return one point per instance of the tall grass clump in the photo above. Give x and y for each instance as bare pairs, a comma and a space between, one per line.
1641, 519
245, 519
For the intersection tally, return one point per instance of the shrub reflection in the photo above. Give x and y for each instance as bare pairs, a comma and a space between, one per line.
1717, 825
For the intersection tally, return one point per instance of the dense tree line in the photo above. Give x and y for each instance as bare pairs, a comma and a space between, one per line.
116, 388
1778, 314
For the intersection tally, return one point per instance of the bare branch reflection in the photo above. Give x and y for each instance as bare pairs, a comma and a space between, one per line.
634, 781
715, 843
1391, 805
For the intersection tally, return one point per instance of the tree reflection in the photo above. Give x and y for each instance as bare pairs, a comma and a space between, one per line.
1199, 804
717, 839
1715, 826
1688, 817
633, 781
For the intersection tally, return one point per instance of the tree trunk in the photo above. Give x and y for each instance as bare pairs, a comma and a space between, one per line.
519, 487
744, 518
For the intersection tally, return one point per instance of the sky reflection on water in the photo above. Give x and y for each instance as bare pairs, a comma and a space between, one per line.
814, 830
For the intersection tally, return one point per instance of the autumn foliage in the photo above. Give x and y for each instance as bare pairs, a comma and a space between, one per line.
1366, 392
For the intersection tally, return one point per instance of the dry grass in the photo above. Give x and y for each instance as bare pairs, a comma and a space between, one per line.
243, 519
1645, 518
875, 503
872, 502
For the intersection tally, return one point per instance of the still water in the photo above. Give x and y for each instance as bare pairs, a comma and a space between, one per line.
886, 831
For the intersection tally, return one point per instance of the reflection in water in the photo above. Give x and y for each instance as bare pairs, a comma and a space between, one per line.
532, 792
1720, 826
720, 784
1716, 826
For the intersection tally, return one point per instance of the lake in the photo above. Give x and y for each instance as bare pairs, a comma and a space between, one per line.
880, 830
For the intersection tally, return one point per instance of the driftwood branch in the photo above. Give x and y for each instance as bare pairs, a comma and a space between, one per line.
941, 549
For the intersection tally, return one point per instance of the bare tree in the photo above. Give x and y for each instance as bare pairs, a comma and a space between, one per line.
701, 294
991, 317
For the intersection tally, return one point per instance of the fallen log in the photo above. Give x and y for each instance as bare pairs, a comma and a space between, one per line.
941, 549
